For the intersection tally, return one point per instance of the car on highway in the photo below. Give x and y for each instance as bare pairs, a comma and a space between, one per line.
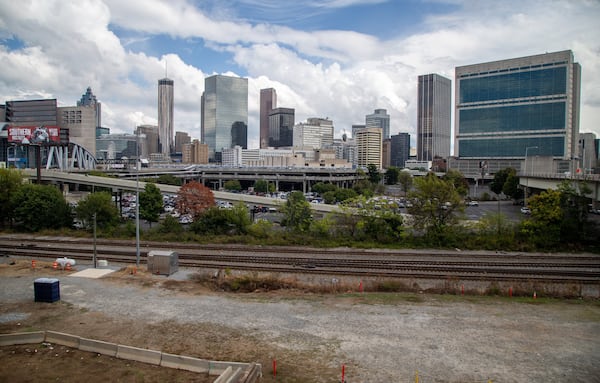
525, 210
473, 203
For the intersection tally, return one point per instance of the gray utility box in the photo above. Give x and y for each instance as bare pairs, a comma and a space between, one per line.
163, 262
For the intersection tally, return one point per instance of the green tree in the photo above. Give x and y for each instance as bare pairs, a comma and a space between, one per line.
459, 181
405, 180
322, 188
169, 179
240, 217
511, 186
373, 172
297, 214
213, 221
170, 225
38, 207
500, 178
342, 195
379, 223
363, 187
544, 225
262, 186
435, 205
99, 203
151, 203
11, 180
329, 197
233, 186
574, 225
391, 175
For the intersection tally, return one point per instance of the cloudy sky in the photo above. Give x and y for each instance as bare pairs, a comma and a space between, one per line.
326, 58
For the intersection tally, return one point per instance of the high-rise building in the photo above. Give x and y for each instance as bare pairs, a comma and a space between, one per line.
356, 128
400, 151
386, 153
369, 146
268, 102
379, 119
281, 127
165, 116
81, 123
31, 112
433, 117
151, 144
194, 153
180, 139
315, 133
89, 99
504, 108
224, 110
588, 153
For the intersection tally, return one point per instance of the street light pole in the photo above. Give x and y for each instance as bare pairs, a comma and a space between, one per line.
95, 240
137, 198
527, 185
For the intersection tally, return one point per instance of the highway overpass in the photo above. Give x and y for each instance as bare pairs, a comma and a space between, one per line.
68, 180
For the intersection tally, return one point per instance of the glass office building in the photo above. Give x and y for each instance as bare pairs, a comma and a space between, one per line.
379, 119
504, 107
400, 149
434, 94
224, 114
281, 127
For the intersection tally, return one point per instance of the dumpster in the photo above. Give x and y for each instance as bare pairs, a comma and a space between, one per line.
163, 262
46, 290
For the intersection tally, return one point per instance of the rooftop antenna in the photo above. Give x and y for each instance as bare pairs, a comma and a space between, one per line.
166, 65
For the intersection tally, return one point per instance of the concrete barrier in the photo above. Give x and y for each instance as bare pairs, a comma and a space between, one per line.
98, 346
184, 363
217, 368
22, 338
62, 339
139, 354
251, 374
224, 377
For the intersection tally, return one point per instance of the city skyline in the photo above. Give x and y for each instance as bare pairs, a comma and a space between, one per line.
325, 58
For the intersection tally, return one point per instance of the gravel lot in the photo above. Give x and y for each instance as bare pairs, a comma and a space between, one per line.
384, 339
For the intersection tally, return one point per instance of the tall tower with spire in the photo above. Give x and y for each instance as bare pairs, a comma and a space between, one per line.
165, 117
89, 99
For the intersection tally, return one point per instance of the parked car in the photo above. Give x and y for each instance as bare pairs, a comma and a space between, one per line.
525, 210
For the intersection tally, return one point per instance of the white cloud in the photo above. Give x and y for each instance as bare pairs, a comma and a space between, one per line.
342, 75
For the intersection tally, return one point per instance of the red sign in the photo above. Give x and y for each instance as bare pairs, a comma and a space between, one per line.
33, 135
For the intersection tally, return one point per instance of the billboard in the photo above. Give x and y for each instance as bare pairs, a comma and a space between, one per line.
33, 135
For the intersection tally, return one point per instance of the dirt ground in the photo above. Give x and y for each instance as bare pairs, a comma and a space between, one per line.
36, 363
490, 338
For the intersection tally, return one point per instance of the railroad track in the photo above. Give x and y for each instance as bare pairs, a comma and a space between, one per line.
401, 264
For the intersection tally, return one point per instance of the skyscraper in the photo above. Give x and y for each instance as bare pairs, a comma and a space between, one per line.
369, 145
433, 117
505, 107
89, 99
400, 151
315, 133
268, 102
379, 119
165, 116
281, 127
224, 114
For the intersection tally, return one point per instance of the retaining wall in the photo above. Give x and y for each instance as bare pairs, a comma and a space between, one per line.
228, 372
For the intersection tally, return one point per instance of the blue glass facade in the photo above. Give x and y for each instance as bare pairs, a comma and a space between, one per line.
533, 83
224, 113
503, 107
515, 118
512, 147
